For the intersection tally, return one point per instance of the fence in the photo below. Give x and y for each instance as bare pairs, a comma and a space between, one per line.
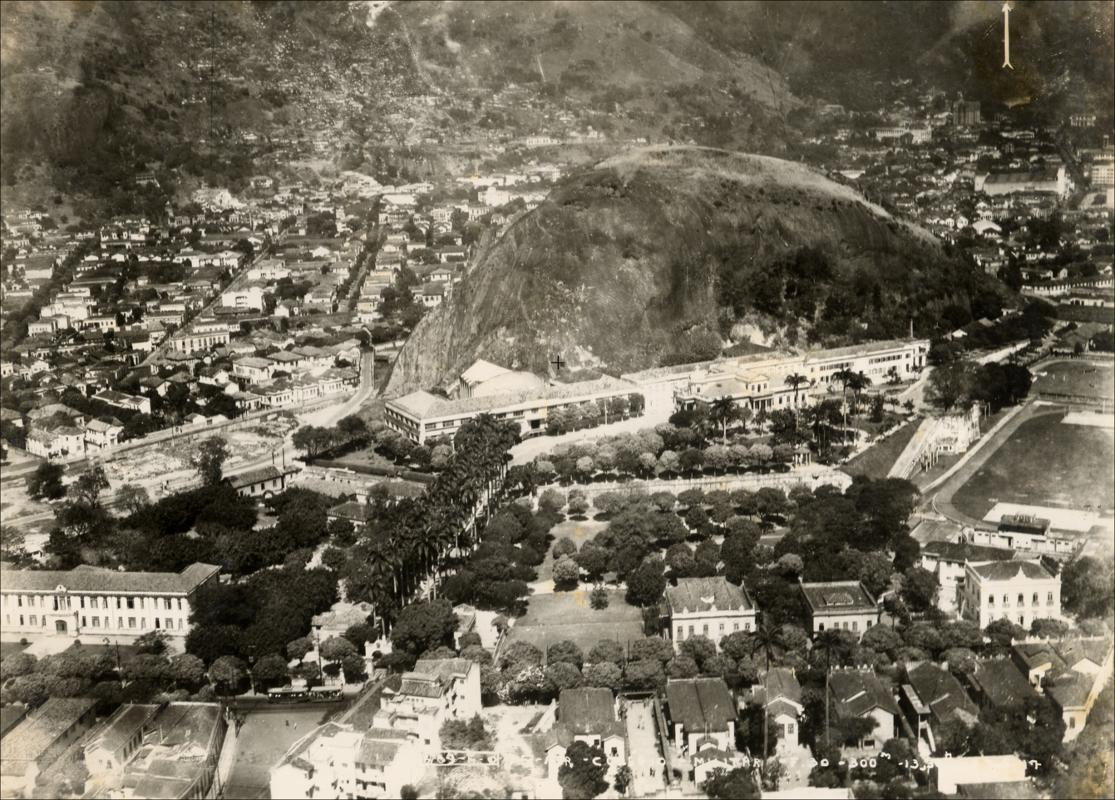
811, 477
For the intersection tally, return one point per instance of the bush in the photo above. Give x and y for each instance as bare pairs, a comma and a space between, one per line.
599, 598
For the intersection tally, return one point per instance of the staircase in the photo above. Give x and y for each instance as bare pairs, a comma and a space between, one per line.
923, 437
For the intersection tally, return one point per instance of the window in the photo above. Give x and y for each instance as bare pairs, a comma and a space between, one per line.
868, 744
704, 629
821, 626
1072, 723
991, 600
1035, 599
34, 619
118, 602
96, 622
855, 625
789, 727
1021, 599
870, 623
1049, 598
119, 622
690, 630
83, 622
131, 602
721, 627
131, 622
167, 601
735, 626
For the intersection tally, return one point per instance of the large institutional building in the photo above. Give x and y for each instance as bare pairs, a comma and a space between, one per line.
91, 601
1021, 591
710, 607
755, 381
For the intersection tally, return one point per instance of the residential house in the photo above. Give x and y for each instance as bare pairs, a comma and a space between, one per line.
100, 435
358, 514
780, 695
859, 694
56, 443
586, 715
710, 607
839, 605
931, 697
1071, 672
702, 714
261, 482
998, 683
253, 368
125, 401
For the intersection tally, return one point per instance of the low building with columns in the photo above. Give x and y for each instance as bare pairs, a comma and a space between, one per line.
91, 602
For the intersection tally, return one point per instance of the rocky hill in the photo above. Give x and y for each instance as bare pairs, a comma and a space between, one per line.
664, 255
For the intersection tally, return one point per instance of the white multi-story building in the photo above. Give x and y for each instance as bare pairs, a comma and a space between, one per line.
93, 602
420, 415
434, 692
710, 607
201, 338
1021, 591
759, 381
337, 761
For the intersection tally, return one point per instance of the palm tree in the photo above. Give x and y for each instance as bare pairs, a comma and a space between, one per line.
794, 380
857, 383
722, 412
766, 639
829, 642
845, 377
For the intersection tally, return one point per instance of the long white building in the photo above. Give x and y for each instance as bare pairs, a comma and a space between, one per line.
759, 381
92, 602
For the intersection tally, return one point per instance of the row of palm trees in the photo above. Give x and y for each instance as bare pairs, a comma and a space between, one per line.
411, 540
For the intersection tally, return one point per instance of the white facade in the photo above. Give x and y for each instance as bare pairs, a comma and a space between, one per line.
1020, 591
93, 602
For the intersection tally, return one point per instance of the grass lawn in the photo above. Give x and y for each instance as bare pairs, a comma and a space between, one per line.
579, 532
1045, 463
10, 649
1082, 377
367, 457
263, 740
567, 615
876, 461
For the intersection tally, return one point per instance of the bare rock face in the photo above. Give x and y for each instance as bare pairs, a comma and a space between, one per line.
652, 257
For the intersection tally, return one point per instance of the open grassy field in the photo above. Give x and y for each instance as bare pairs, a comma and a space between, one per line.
1045, 463
567, 615
1079, 377
876, 461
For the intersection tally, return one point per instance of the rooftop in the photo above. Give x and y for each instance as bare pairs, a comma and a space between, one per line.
941, 692
96, 579
1001, 682
856, 692
838, 597
422, 404
1011, 570
700, 704
31, 738
705, 594
586, 710
959, 552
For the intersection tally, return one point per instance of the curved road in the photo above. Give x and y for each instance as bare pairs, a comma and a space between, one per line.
940, 499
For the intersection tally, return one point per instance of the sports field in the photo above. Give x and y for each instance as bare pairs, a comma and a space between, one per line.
1078, 377
568, 615
1045, 463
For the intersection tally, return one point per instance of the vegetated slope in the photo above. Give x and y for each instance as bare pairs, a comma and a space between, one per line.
663, 255
577, 45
